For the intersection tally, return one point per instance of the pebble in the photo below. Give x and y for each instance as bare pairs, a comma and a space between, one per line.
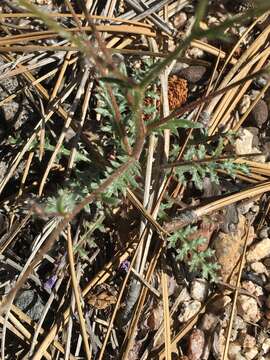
234, 350
251, 353
199, 289
195, 53
259, 251
266, 345
263, 233
244, 104
259, 268
252, 288
193, 74
208, 322
188, 310
220, 303
247, 341
180, 20
248, 308
31, 303
259, 113
244, 144
196, 343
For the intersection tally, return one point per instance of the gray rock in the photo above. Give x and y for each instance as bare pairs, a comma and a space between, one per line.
31, 303
260, 113
193, 74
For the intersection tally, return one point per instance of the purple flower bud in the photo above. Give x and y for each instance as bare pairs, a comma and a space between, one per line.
124, 265
49, 284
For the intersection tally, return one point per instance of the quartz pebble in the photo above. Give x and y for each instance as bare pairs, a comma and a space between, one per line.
199, 289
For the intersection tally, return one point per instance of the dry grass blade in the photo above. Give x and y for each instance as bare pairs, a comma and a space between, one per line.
191, 216
166, 314
76, 290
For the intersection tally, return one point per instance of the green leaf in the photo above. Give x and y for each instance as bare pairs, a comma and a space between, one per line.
174, 124
120, 82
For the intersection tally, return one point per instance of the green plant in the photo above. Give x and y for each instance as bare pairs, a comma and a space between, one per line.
187, 249
135, 94
201, 161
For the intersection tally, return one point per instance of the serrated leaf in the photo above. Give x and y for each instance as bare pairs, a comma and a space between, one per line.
119, 82
103, 111
175, 124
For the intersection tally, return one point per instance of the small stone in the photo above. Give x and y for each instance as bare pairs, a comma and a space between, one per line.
193, 73
196, 344
247, 341
255, 132
188, 310
259, 251
199, 289
263, 234
180, 20
195, 53
260, 113
244, 104
255, 208
220, 303
245, 207
208, 322
252, 288
266, 345
248, 308
30, 302
234, 350
229, 247
251, 353
243, 145
259, 268
219, 343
